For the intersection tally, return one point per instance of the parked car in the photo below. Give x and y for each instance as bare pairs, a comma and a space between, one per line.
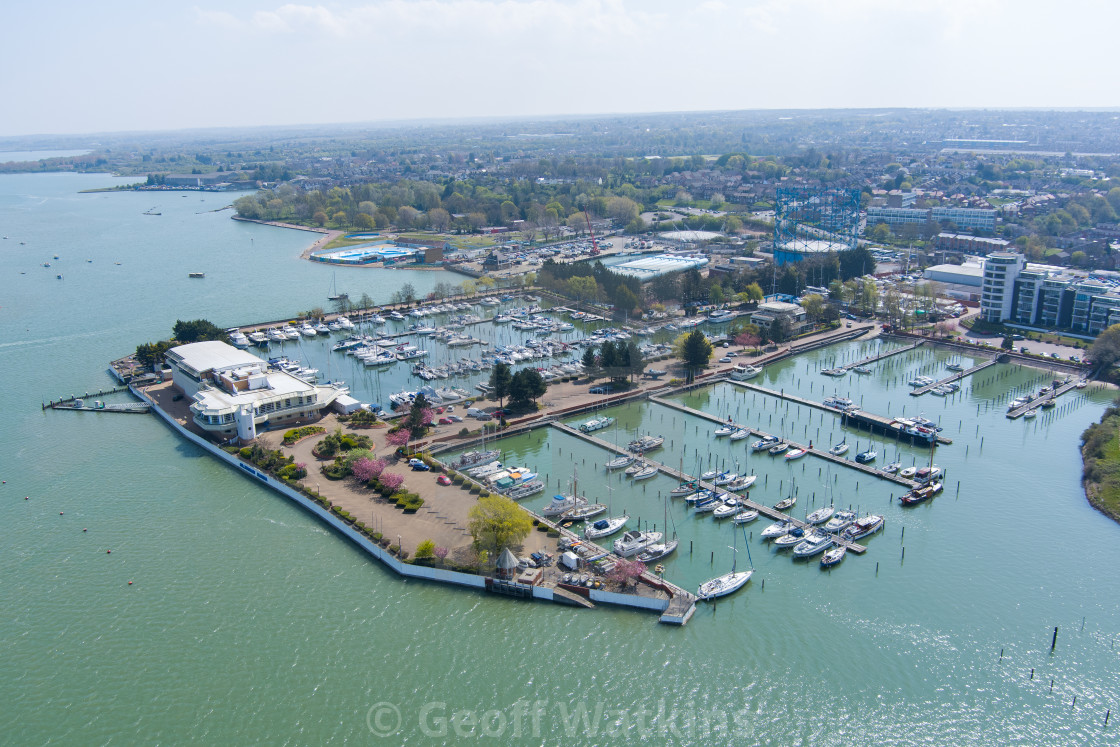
455, 418
445, 421
498, 414
725, 359
418, 465
443, 480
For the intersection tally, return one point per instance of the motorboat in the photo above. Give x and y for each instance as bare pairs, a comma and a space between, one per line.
605, 527
891, 468
861, 528
838, 403
908, 472
724, 430
766, 442
840, 521
740, 434
796, 454
817, 542
721, 586
777, 529
561, 504
1030, 414
635, 468
657, 551
645, 472
620, 462
238, 339
584, 512
927, 474
745, 517
525, 489
954, 366
730, 507
820, 516
258, 338
470, 458
645, 443
634, 541
786, 503
834, 371
866, 456
793, 537
861, 369
485, 470
596, 424
778, 448
744, 371
307, 330
833, 556
839, 449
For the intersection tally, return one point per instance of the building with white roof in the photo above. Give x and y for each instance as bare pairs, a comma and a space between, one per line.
236, 393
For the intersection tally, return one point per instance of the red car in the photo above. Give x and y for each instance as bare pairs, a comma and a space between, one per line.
445, 421
443, 480
497, 414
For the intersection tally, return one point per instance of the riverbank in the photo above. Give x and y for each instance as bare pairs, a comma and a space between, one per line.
1100, 453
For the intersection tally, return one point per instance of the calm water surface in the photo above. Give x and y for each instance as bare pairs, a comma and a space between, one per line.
248, 622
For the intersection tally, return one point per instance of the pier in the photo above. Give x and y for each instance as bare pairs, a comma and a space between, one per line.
1019, 412
762, 509
881, 356
955, 377
79, 403
858, 418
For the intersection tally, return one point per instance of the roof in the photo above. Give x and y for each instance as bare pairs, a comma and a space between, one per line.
507, 559
211, 354
779, 307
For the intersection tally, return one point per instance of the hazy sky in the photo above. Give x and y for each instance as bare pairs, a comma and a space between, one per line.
108, 65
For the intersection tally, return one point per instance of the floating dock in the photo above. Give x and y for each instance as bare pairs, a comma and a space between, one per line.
1019, 412
762, 509
955, 377
881, 356
858, 418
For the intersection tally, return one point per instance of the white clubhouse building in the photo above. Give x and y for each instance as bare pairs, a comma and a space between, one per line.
235, 392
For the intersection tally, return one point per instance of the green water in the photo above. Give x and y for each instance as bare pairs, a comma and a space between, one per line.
249, 622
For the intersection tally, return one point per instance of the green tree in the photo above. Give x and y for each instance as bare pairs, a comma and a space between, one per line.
425, 550
590, 363
497, 522
500, 379
637, 362
583, 288
197, 331
754, 292
716, 294
417, 415
148, 354
813, 305
1105, 350
525, 386
694, 351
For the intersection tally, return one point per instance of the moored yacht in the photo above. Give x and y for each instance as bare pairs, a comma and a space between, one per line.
863, 527
634, 541
605, 527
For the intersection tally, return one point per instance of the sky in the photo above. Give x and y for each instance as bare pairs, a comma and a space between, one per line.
124, 65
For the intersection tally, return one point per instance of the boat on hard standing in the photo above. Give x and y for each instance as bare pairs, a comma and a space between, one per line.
605, 527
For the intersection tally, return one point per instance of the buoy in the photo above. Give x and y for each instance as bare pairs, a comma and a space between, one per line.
60, 513
108, 551
26, 497
84, 529
130, 583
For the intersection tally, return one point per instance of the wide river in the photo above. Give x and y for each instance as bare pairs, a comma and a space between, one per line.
247, 621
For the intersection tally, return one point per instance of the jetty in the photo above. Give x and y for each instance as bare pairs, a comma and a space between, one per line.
762, 509
82, 403
881, 356
858, 418
955, 377
1019, 412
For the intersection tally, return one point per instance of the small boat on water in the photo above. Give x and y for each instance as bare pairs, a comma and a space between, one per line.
620, 462
744, 371
840, 521
786, 503
833, 556
685, 488
764, 443
645, 472
741, 483
954, 366
796, 454
561, 504
635, 468
777, 529
861, 528
730, 507
584, 512
778, 448
861, 369
893, 467
710, 474
634, 541
596, 424
839, 449
657, 551
645, 443
866, 456
605, 527
820, 516
745, 516
724, 430
721, 586
918, 495
196, 274
817, 542
740, 434
908, 472
724, 478
793, 537
1030, 414
525, 489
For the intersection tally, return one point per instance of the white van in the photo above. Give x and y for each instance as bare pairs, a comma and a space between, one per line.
474, 412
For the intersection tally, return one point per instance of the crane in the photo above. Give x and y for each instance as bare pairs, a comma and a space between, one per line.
594, 244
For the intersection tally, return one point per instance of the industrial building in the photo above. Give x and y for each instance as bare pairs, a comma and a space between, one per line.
648, 268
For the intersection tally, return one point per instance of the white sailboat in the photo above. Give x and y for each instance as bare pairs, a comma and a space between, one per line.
721, 586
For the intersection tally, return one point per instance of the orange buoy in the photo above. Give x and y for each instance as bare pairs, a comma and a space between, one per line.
108, 551
130, 583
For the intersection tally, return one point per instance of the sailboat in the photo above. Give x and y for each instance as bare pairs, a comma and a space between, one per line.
334, 295
721, 586
659, 550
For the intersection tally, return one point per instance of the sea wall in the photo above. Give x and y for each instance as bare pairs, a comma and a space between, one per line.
367, 545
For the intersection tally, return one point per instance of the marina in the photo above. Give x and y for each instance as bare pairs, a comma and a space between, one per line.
918, 391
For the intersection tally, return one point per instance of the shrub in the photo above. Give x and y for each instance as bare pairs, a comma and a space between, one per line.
426, 549
366, 469
295, 434
394, 549
376, 536
246, 452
